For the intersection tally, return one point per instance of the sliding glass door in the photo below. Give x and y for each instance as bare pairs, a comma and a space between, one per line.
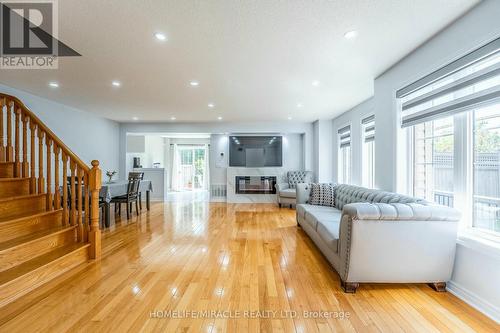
192, 168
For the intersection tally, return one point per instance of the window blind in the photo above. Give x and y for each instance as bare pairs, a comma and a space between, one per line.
345, 136
470, 82
369, 128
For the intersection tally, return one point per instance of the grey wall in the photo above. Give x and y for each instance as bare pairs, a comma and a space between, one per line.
293, 155
323, 152
477, 266
89, 136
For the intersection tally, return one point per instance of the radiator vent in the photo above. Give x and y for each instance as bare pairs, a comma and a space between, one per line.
218, 190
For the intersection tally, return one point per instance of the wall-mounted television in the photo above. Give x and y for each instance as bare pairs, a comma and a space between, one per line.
255, 151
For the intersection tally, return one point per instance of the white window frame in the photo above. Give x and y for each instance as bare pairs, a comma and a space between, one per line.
339, 152
463, 182
363, 183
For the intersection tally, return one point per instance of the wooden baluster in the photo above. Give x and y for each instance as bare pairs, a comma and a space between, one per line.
41, 180
17, 141
79, 228
65, 187
25, 165
3, 102
57, 190
50, 204
95, 179
72, 214
86, 221
10, 148
33, 157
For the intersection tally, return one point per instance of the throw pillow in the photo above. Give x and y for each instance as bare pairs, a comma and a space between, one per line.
322, 195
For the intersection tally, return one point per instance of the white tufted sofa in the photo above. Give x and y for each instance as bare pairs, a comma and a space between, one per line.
377, 236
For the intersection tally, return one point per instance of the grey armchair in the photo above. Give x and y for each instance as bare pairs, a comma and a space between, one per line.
286, 192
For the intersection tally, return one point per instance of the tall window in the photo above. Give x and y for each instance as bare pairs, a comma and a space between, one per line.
453, 116
433, 161
344, 167
368, 158
486, 168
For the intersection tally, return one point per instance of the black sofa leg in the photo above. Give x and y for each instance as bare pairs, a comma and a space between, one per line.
349, 287
438, 286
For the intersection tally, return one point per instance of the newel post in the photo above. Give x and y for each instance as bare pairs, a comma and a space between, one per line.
95, 177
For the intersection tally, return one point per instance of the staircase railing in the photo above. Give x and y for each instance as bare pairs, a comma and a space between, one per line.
25, 138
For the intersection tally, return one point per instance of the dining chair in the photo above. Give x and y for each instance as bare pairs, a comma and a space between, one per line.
129, 198
140, 176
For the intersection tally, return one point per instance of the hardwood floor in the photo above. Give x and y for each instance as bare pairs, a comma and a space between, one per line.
197, 256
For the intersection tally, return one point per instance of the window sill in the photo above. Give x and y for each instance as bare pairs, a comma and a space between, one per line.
476, 240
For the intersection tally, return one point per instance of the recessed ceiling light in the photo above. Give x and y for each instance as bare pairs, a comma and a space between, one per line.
219, 118
299, 105
290, 118
116, 83
54, 84
351, 34
211, 105
194, 83
160, 36
135, 118
173, 118
315, 83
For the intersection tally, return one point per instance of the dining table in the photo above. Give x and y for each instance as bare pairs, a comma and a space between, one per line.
117, 188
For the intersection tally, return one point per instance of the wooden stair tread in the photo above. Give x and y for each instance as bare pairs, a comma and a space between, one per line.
12, 179
19, 219
39, 262
21, 197
33, 237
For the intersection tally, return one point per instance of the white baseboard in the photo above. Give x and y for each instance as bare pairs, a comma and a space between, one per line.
218, 199
473, 300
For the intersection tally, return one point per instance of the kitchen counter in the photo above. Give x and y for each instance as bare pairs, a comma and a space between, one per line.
158, 177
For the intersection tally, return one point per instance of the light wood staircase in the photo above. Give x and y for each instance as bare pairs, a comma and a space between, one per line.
43, 234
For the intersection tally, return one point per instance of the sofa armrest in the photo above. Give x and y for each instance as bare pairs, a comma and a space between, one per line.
397, 242
281, 186
401, 211
303, 193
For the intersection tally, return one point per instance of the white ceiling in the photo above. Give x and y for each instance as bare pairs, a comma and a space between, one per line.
255, 60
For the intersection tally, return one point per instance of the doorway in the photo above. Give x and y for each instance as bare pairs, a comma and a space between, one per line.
190, 168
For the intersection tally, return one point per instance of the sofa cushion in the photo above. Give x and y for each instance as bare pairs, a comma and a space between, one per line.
328, 231
317, 214
288, 193
322, 195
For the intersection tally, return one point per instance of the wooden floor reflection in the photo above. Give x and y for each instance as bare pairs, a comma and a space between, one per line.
249, 264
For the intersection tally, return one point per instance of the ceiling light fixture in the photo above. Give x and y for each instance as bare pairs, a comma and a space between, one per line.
290, 118
135, 118
173, 118
351, 34
194, 83
315, 83
299, 105
116, 83
219, 118
211, 105
54, 84
160, 36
